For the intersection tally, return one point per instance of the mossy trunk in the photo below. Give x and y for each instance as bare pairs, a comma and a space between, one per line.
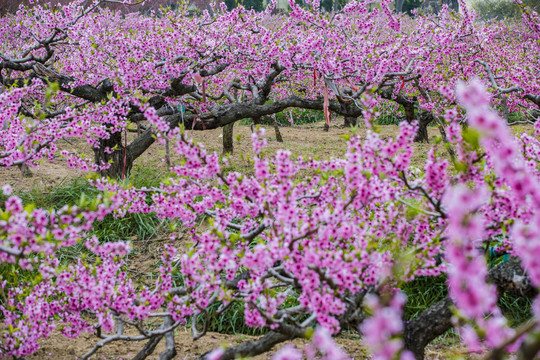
425, 117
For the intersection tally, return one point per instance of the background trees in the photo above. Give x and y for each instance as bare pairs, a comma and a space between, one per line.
220, 68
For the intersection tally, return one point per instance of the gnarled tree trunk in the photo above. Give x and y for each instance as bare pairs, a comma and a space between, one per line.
426, 118
399, 5
436, 320
350, 121
279, 138
112, 151
228, 146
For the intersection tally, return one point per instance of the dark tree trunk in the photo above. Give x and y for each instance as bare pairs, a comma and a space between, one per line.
350, 121
149, 348
25, 170
409, 105
452, 5
120, 159
425, 119
252, 348
275, 123
534, 115
399, 5
228, 146
529, 349
449, 147
505, 112
427, 326
436, 320
276, 129
170, 352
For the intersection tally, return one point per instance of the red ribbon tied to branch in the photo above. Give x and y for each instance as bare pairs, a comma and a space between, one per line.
199, 79
326, 104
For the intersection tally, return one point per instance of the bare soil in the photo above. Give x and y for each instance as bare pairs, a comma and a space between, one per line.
307, 141
58, 347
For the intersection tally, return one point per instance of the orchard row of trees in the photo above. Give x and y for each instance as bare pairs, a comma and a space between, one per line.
214, 70
330, 250
487, 9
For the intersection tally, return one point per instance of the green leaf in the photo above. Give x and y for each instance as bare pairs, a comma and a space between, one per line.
472, 137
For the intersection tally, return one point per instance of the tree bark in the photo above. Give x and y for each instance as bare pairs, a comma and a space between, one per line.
350, 121
25, 170
436, 320
534, 115
505, 112
112, 151
149, 348
252, 348
222, 115
279, 138
170, 351
529, 348
228, 146
399, 5
409, 104
426, 118
428, 325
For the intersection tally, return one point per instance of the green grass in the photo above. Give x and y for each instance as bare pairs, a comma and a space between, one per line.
516, 116
232, 321
516, 309
388, 119
65, 193
111, 228
300, 117
424, 292
128, 227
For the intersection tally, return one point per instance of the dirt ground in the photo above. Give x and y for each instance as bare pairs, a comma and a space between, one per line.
307, 141
58, 347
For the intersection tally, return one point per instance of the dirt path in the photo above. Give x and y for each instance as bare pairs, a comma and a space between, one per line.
306, 141
58, 347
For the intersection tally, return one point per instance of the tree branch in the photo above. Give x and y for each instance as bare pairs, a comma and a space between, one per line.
436, 320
